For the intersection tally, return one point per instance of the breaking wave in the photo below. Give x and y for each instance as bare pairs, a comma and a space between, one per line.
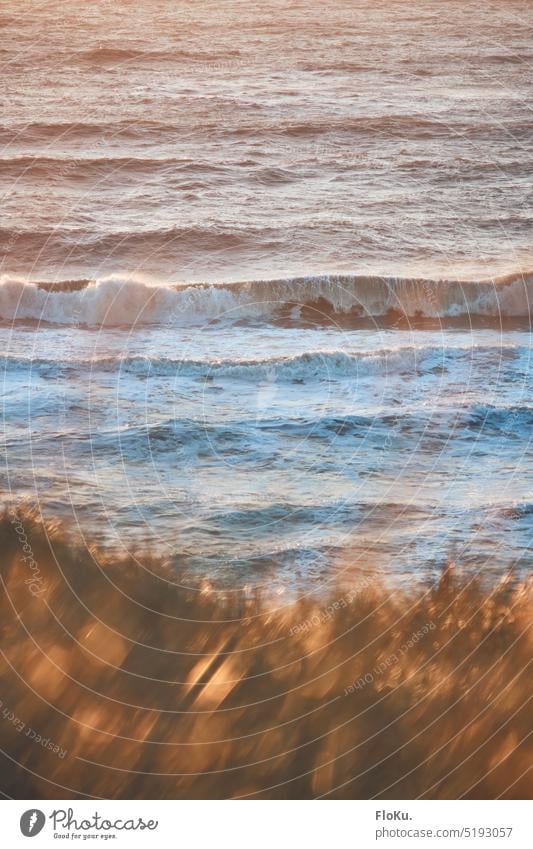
322, 365
128, 300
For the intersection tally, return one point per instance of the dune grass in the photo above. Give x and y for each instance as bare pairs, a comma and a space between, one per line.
118, 683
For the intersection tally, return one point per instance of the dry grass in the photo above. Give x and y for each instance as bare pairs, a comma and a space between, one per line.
159, 692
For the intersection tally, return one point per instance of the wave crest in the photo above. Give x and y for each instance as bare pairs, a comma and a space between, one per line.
318, 365
127, 300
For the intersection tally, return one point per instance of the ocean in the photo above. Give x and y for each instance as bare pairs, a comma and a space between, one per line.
266, 282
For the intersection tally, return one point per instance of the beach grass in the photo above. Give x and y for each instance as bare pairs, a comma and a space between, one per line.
118, 682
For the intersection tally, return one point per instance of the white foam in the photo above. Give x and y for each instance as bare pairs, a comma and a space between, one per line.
322, 365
